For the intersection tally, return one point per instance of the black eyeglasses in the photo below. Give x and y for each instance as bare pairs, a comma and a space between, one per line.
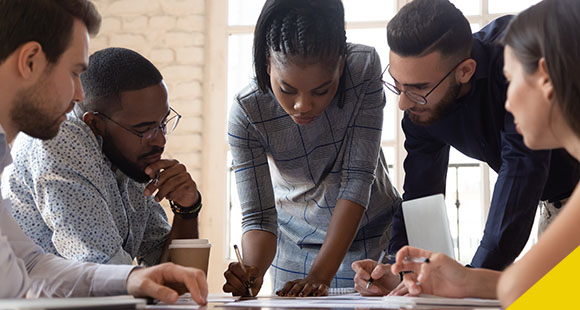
166, 127
417, 98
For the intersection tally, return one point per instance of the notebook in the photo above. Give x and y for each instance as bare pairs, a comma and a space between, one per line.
341, 291
427, 224
88, 303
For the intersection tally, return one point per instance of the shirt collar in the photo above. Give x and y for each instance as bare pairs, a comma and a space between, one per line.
478, 53
5, 158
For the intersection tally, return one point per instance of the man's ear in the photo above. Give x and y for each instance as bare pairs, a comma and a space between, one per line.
95, 122
31, 60
465, 71
544, 80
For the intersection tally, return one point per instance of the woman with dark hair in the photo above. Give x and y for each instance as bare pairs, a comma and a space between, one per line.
305, 141
541, 64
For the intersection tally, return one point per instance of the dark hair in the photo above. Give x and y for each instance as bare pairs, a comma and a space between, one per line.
548, 30
307, 28
48, 22
112, 71
425, 26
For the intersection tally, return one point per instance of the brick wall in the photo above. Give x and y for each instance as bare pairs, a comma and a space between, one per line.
171, 34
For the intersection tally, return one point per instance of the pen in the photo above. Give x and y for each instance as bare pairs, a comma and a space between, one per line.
392, 257
243, 268
418, 260
156, 179
380, 261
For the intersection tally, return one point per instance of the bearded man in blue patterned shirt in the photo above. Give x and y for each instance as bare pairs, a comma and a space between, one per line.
87, 194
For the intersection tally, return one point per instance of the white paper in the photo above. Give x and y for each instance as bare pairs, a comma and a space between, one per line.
357, 301
430, 300
338, 301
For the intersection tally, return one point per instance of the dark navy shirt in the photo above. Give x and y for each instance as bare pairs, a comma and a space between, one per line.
479, 126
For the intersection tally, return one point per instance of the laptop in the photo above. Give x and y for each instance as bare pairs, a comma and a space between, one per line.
427, 224
87, 303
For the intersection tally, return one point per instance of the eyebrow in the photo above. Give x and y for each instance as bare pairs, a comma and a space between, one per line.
147, 124
82, 66
414, 85
316, 88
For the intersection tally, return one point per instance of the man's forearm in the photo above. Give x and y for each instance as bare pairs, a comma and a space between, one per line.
398, 231
181, 229
184, 228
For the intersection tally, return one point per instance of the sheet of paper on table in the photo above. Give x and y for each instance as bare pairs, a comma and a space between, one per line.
185, 302
357, 301
352, 300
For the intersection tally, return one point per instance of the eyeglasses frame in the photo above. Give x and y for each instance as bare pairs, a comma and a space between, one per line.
162, 126
414, 96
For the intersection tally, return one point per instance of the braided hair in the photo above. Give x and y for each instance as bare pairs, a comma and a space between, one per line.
312, 29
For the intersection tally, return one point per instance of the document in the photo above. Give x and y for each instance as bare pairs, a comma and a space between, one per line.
357, 301
430, 300
337, 301
186, 302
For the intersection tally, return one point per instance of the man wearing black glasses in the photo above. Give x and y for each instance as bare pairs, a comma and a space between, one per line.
451, 87
92, 193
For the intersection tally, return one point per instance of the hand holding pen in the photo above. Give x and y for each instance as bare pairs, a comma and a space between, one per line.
248, 285
170, 180
241, 280
441, 276
391, 257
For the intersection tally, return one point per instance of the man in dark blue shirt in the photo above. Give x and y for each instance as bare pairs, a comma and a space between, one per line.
452, 89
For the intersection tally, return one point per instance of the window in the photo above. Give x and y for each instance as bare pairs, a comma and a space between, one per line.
469, 183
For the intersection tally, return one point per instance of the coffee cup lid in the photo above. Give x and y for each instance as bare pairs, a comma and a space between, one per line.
189, 241
189, 246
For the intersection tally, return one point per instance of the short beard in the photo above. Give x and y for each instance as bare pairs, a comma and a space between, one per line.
441, 109
31, 113
123, 163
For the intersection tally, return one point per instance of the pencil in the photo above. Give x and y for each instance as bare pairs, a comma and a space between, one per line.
243, 268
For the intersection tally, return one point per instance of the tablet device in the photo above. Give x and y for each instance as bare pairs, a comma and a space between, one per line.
427, 224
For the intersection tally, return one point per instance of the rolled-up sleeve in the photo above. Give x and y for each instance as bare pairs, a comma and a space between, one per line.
364, 137
253, 181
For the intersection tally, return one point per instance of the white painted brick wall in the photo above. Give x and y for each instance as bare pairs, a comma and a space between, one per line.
171, 34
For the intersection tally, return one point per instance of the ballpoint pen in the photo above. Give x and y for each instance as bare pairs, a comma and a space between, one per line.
156, 178
380, 261
391, 257
418, 260
243, 268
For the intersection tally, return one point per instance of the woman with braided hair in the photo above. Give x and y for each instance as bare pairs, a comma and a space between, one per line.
305, 139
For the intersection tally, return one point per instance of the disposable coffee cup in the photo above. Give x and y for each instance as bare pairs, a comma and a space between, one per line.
190, 253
